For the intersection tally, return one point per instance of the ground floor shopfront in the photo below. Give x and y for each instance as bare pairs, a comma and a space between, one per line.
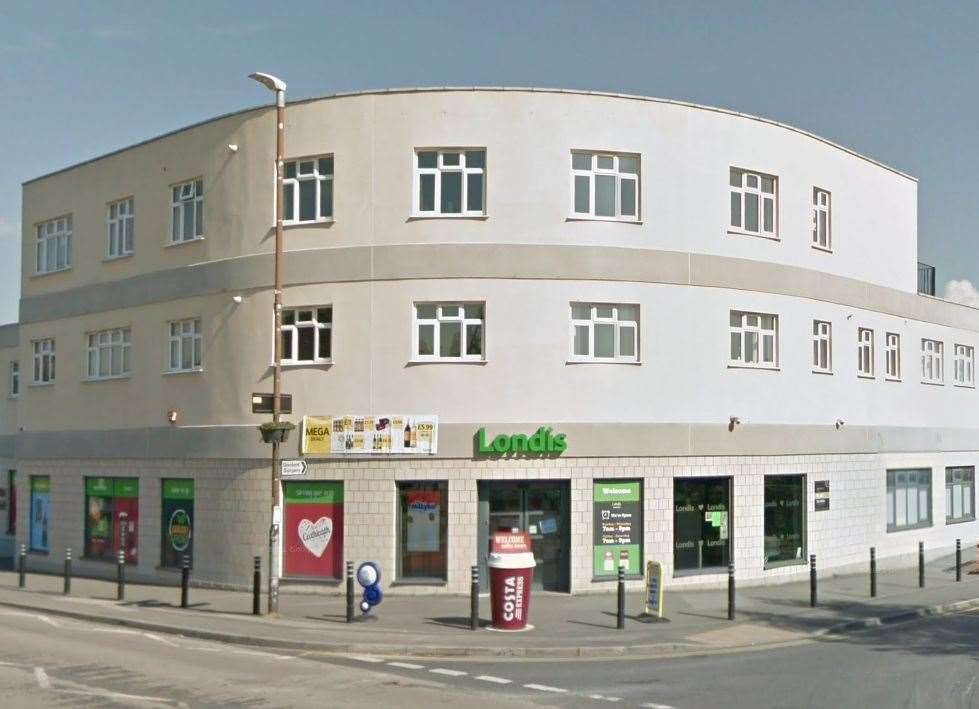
428, 521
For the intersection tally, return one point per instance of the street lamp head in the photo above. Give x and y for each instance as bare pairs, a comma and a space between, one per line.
272, 83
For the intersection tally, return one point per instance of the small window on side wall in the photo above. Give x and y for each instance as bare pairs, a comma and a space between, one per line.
605, 185
754, 203
308, 190
449, 332
604, 332
821, 219
450, 182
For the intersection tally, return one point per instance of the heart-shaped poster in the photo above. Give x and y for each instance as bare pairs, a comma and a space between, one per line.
316, 535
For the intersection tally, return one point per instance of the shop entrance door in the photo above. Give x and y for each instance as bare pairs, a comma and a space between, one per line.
541, 508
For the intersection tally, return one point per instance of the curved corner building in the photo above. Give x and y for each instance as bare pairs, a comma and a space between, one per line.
640, 330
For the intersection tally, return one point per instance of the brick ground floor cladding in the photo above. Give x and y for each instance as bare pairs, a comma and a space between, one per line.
230, 516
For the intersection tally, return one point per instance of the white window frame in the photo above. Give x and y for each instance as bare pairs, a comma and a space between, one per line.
437, 171
44, 361
822, 333
436, 322
598, 316
53, 246
897, 497
933, 361
312, 323
865, 353
892, 356
964, 477
14, 381
741, 192
964, 366
596, 170
101, 348
746, 327
183, 333
120, 217
186, 195
322, 181
822, 214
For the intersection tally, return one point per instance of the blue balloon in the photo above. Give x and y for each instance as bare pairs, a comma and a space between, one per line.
373, 595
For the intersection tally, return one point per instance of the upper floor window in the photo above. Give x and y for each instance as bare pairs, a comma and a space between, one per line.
307, 335
187, 212
185, 344
53, 245
14, 379
754, 203
604, 332
308, 190
108, 354
821, 234
605, 185
932, 361
822, 346
865, 352
122, 228
43, 361
892, 355
964, 366
754, 339
450, 182
449, 331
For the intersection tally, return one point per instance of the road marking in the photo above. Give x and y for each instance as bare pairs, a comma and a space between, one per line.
406, 665
36, 616
449, 673
654, 705
153, 636
259, 653
545, 688
491, 678
43, 681
613, 699
365, 658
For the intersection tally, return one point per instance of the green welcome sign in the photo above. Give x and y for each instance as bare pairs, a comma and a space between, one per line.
543, 442
617, 527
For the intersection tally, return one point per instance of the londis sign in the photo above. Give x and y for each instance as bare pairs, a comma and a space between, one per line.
543, 442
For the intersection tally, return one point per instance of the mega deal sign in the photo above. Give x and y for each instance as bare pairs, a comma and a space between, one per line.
543, 442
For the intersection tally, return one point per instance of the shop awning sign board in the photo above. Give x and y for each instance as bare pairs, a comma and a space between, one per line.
384, 434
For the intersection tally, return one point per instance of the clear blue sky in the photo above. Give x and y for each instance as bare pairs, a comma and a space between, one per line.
896, 81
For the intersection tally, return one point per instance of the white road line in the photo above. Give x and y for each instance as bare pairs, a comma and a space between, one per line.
545, 688
654, 705
449, 673
43, 681
153, 636
406, 665
36, 616
365, 658
491, 678
596, 696
259, 653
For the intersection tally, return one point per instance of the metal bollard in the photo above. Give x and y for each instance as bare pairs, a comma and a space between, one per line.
121, 576
921, 564
350, 592
812, 580
620, 610
184, 580
474, 599
958, 559
257, 587
730, 591
22, 566
873, 572
67, 571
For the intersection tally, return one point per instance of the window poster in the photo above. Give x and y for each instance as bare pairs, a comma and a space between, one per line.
617, 527
313, 534
177, 522
423, 520
111, 518
40, 511
396, 434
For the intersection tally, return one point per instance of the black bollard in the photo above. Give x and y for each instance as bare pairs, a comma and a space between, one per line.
812, 580
184, 580
67, 571
350, 592
620, 609
22, 566
921, 564
121, 576
257, 587
958, 559
474, 599
730, 591
873, 572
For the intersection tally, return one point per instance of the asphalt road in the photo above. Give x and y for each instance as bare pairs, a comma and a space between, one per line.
53, 661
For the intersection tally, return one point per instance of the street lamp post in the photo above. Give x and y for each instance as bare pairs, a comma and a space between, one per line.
279, 87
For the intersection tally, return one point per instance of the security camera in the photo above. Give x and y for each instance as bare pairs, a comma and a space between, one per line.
732, 422
840, 423
233, 147
236, 299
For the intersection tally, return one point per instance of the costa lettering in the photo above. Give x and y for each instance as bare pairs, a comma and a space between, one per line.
542, 442
513, 587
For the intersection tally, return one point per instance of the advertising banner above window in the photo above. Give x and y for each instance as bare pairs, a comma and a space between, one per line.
388, 434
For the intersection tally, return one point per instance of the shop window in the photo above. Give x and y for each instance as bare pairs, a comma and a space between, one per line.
423, 526
701, 524
618, 528
960, 494
177, 523
313, 535
785, 532
908, 499
40, 512
111, 518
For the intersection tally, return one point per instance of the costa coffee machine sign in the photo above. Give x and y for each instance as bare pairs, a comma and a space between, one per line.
511, 566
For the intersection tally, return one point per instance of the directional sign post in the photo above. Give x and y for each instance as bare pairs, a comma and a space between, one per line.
293, 468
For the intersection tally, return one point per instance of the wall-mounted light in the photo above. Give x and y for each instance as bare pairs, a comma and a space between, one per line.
236, 299
172, 416
732, 422
233, 147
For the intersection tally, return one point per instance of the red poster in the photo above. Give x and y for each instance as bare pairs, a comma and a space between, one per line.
313, 534
126, 526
